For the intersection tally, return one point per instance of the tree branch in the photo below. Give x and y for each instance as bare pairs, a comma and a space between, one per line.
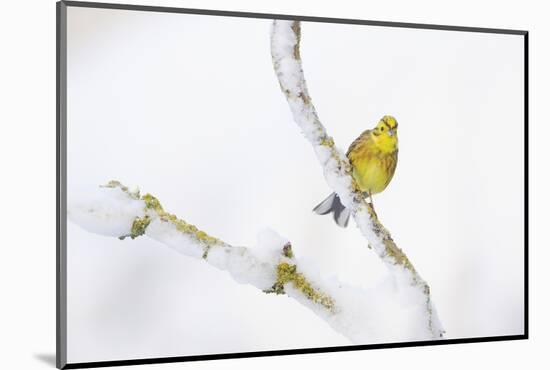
285, 51
117, 211
358, 314
398, 309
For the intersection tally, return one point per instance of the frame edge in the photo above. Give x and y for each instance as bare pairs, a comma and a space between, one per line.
61, 193
229, 13
61, 172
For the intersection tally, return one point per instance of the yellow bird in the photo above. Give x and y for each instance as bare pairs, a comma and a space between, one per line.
373, 158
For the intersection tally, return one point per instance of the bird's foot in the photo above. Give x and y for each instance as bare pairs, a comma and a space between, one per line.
372, 211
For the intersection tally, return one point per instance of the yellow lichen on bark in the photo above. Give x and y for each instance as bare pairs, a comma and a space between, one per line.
140, 224
287, 273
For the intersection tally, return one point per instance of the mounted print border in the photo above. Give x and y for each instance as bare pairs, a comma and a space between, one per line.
285, 49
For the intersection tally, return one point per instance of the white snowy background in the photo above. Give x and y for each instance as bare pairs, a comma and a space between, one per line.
188, 108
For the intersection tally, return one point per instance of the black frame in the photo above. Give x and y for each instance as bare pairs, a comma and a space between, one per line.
61, 171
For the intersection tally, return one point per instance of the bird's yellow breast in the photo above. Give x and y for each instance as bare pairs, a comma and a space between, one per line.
373, 163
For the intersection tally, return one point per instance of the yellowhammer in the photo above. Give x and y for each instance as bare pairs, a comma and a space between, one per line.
373, 158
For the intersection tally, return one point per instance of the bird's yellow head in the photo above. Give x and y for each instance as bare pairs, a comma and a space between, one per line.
384, 134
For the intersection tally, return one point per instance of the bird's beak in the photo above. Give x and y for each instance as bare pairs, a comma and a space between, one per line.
390, 132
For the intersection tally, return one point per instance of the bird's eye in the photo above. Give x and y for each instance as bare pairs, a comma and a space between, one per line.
382, 128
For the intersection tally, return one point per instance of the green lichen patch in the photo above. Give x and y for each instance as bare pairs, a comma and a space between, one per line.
152, 203
397, 255
287, 273
139, 225
392, 250
327, 141
117, 184
189, 229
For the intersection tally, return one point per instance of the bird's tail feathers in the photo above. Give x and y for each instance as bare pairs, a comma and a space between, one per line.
333, 205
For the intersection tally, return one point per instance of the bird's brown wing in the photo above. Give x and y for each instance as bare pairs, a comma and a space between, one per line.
391, 164
360, 140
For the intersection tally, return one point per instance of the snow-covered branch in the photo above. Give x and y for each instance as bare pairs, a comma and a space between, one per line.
285, 51
116, 211
397, 309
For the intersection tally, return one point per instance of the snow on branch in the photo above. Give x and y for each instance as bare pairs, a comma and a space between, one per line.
397, 309
363, 316
117, 211
285, 51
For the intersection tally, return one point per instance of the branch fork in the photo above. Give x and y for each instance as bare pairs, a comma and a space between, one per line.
398, 309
